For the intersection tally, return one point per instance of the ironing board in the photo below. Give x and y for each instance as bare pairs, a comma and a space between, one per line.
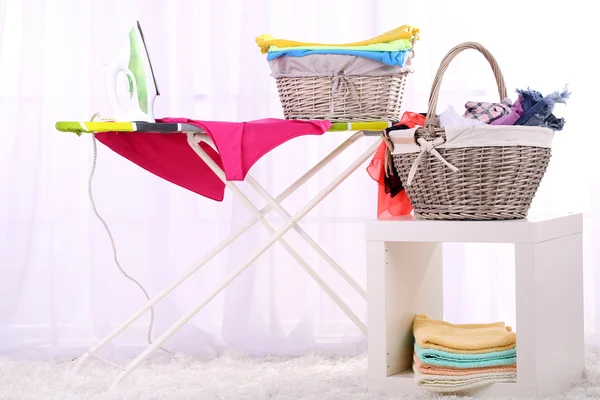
196, 136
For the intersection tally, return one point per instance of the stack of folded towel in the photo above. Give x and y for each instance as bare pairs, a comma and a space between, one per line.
393, 48
450, 358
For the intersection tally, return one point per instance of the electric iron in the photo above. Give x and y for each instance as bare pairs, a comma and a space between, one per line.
132, 59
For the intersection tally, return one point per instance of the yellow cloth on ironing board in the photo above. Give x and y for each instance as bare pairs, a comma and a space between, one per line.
462, 338
403, 32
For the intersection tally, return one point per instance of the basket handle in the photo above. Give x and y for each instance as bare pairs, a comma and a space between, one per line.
430, 120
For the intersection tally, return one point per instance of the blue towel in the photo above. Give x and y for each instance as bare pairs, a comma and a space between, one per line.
386, 57
455, 360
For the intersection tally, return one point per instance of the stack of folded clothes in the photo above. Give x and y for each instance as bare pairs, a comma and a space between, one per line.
392, 49
451, 358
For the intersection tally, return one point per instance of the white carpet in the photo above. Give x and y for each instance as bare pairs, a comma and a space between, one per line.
235, 378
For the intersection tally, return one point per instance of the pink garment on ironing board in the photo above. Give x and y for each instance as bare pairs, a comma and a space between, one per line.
239, 145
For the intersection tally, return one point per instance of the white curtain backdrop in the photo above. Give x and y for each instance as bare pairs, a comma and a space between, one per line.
59, 287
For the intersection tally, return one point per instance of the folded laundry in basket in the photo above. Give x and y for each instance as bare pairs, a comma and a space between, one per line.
428, 369
462, 338
402, 32
537, 109
445, 383
515, 113
387, 57
487, 112
239, 145
459, 360
451, 117
394, 45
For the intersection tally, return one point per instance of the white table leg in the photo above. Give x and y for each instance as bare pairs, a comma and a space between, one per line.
404, 279
550, 336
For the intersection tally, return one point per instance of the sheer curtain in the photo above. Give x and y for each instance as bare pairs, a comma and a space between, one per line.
59, 287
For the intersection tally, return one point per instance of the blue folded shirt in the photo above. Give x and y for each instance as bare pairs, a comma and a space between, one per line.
385, 57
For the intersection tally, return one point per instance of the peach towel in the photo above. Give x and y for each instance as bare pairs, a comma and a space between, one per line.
427, 369
463, 338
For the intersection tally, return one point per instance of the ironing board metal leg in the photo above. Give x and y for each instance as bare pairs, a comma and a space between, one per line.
304, 235
313, 274
320, 165
217, 249
219, 172
275, 237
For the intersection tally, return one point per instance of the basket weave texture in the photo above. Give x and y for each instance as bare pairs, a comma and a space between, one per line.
342, 98
492, 182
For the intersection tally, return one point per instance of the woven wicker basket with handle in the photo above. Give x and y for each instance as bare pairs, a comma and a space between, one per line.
485, 182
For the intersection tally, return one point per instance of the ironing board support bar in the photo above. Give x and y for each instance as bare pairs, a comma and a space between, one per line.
280, 210
199, 264
319, 166
275, 237
372, 133
241, 196
284, 214
217, 249
326, 288
106, 361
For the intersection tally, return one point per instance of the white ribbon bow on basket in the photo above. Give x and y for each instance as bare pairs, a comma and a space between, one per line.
339, 83
428, 147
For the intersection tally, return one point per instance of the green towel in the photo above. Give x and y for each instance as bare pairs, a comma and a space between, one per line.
456, 360
394, 45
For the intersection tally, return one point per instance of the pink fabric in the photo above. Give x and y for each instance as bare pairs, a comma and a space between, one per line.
487, 112
239, 145
512, 117
449, 371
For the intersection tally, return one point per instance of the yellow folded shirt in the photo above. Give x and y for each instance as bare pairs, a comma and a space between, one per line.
403, 32
393, 45
462, 338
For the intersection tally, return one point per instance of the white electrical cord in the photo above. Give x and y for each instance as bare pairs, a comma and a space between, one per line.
112, 241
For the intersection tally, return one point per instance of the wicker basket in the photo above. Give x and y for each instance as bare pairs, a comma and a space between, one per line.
359, 98
492, 182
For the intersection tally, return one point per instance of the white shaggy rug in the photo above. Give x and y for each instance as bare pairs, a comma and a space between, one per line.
235, 378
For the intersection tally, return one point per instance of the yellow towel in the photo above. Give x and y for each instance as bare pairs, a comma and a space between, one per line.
403, 32
464, 338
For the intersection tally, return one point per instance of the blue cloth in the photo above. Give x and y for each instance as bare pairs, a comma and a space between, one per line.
386, 57
445, 359
537, 109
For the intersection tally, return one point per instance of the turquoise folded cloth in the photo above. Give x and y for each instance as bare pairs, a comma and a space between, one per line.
457, 360
386, 57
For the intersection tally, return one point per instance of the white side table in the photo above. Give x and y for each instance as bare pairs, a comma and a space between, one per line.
404, 278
